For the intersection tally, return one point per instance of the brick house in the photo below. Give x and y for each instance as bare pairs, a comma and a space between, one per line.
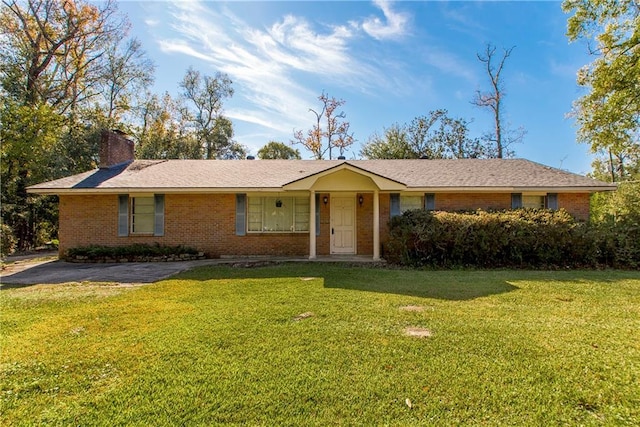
289, 207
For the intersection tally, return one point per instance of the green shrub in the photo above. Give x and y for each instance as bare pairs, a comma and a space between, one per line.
516, 238
137, 250
45, 233
7, 240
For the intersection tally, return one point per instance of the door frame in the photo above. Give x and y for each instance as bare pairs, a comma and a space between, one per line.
345, 195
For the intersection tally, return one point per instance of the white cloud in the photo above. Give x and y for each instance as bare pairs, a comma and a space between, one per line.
269, 64
179, 46
395, 26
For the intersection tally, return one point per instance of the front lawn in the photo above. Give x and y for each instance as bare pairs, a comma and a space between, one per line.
324, 344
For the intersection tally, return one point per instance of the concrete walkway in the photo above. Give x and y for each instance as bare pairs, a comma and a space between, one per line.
50, 270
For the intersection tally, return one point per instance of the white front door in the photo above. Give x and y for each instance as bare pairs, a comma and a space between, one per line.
343, 225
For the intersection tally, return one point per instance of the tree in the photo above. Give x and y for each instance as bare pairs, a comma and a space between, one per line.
330, 130
500, 137
27, 137
622, 165
51, 49
163, 132
222, 136
278, 150
53, 57
608, 116
205, 94
126, 72
393, 144
434, 136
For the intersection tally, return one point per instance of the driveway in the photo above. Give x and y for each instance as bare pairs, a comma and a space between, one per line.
55, 271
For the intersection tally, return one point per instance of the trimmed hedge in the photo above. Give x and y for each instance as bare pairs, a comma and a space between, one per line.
136, 252
521, 238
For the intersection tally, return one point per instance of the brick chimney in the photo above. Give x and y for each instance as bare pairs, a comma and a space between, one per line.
115, 148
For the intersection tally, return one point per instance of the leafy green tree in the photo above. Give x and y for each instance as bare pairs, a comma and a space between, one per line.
434, 136
28, 136
57, 60
51, 50
163, 132
126, 72
620, 205
205, 96
393, 144
608, 116
222, 136
278, 150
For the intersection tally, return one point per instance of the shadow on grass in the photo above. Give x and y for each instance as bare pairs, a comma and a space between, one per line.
445, 289
446, 285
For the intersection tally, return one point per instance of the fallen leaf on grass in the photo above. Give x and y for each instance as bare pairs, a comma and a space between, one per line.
303, 316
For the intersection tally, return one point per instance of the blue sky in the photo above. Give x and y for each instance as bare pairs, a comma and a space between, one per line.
390, 62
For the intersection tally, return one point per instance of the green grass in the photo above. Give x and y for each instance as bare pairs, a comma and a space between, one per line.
223, 345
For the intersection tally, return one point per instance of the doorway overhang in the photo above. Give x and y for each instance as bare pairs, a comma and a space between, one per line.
345, 177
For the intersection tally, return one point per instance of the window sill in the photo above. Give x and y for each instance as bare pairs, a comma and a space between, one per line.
277, 232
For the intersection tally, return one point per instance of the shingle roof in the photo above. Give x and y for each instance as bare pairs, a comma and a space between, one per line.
462, 174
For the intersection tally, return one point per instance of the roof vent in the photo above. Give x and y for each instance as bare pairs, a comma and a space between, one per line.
342, 158
250, 158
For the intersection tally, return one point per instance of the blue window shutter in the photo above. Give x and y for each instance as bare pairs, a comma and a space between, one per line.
395, 204
158, 228
123, 215
516, 200
552, 201
241, 209
430, 201
317, 214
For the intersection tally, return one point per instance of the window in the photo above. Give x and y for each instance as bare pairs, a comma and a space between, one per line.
408, 203
141, 215
430, 201
278, 214
533, 201
401, 203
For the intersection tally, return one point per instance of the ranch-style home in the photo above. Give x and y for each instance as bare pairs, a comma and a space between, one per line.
302, 208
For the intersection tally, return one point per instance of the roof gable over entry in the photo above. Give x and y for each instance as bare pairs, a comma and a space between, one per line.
345, 177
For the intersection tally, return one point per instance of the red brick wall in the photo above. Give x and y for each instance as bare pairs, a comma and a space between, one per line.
577, 204
364, 224
472, 201
323, 241
207, 223
87, 220
115, 148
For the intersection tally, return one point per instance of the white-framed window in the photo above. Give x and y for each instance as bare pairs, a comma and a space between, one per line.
408, 203
142, 215
278, 214
533, 202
